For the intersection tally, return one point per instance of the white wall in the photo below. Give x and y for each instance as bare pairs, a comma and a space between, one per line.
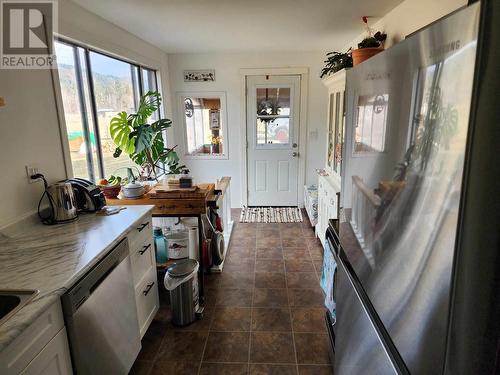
227, 70
408, 17
29, 122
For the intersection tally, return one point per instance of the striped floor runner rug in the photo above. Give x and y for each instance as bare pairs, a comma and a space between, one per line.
270, 215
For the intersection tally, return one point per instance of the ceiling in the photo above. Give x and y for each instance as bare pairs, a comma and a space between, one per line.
194, 26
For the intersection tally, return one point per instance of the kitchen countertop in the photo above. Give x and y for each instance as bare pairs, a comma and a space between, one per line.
52, 258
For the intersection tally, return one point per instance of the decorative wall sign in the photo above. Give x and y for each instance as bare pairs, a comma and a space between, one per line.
207, 75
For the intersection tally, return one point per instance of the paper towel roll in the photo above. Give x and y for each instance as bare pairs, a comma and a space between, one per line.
193, 243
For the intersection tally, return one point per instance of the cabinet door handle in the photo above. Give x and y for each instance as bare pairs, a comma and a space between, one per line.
148, 288
143, 225
144, 249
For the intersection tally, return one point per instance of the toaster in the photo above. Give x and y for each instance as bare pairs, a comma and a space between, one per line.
89, 198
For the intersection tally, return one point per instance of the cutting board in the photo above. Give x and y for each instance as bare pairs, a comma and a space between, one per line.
163, 191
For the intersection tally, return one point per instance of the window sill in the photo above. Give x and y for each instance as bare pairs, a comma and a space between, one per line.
206, 157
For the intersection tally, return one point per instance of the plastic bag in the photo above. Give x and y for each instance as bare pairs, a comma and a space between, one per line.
327, 280
173, 282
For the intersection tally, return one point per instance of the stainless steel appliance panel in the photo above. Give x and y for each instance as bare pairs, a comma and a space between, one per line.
405, 199
358, 347
101, 317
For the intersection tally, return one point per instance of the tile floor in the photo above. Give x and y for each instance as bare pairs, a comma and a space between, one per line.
264, 314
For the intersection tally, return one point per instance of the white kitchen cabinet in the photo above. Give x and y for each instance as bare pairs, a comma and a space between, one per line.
327, 204
54, 359
329, 183
143, 261
45, 335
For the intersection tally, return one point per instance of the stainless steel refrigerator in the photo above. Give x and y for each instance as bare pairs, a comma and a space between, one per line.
417, 248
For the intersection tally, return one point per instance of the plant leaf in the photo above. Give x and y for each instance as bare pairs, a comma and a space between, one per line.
144, 138
119, 129
161, 124
149, 104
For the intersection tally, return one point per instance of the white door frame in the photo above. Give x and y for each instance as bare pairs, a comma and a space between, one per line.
304, 75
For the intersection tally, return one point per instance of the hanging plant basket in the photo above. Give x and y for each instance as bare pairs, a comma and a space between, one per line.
361, 54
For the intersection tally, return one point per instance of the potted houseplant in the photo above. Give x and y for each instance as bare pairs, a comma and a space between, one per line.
143, 141
215, 145
369, 46
336, 61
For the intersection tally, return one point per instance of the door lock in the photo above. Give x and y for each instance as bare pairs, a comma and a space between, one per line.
294, 145
295, 154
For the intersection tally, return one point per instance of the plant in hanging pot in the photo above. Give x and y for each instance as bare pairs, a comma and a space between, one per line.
369, 46
142, 141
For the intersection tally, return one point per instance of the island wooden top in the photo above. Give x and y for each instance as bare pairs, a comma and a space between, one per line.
172, 201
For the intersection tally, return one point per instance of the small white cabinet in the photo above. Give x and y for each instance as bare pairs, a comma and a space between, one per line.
143, 261
54, 359
42, 348
328, 189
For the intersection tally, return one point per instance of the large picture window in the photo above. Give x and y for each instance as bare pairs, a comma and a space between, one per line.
95, 87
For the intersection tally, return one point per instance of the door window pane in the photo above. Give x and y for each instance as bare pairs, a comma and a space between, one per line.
203, 126
115, 85
273, 131
273, 101
77, 112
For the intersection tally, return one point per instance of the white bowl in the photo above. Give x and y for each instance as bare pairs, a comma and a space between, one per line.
133, 190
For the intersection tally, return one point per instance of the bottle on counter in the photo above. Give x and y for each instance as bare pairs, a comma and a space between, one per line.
161, 246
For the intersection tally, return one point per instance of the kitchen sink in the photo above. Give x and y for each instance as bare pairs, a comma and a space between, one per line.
12, 301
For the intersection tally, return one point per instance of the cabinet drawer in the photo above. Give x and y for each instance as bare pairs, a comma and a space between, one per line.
146, 297
142, 232
15, 357
142, 259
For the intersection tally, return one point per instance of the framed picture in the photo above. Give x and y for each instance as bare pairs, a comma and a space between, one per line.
207, 75
214, 120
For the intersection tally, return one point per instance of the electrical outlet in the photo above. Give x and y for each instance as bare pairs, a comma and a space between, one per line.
30, 171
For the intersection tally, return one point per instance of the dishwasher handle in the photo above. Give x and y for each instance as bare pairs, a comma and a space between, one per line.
82, 290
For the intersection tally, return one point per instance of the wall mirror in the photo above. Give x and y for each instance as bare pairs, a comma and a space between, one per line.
204, 120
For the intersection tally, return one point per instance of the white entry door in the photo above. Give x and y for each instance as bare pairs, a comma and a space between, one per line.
272, 135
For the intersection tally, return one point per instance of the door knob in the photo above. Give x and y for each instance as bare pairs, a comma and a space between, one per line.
295, 154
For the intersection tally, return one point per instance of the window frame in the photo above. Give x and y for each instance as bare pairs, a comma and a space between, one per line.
98, 171
181, 118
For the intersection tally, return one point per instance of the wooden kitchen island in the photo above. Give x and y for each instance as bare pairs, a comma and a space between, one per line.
176, 202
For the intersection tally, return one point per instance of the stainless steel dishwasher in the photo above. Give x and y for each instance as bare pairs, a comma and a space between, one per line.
101, 317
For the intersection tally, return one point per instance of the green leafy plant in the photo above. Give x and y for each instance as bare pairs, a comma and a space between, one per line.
372, 41
375, 41
143, 142
336, 61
